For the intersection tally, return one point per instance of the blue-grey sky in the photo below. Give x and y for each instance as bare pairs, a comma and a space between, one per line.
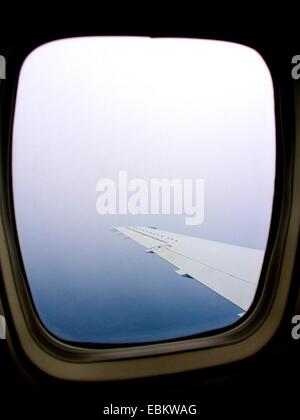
87, 108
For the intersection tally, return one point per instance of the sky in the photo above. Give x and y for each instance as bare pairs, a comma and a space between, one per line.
88, 108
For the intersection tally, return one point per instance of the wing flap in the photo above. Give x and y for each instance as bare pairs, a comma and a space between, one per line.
231, 271
232, 288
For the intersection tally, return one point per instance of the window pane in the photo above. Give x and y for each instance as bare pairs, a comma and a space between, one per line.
143, 179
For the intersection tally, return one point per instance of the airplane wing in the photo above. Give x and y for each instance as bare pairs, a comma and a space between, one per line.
229, 270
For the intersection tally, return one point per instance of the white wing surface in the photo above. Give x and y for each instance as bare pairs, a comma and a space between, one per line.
229, 270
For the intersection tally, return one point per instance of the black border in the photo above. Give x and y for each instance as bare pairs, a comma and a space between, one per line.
277, 60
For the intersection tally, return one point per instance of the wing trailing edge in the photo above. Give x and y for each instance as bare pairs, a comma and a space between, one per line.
229, 270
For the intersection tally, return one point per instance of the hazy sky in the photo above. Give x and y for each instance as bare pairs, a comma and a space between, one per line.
156, 108
88, 108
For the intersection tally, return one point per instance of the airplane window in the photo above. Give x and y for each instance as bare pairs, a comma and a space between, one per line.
112, 135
